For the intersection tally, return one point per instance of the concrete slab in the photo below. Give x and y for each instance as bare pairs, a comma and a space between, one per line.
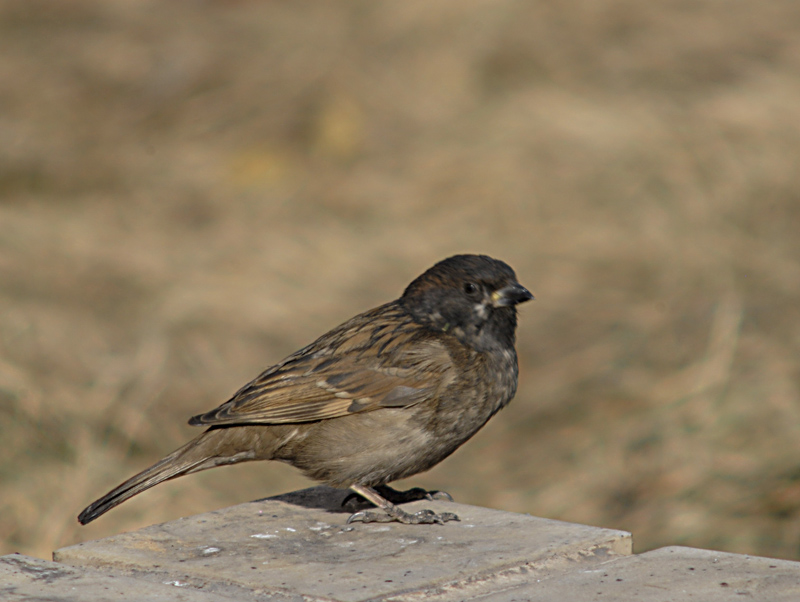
299, 544
23, 578
669, 574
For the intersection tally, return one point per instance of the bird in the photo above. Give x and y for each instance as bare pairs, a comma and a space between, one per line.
386, 395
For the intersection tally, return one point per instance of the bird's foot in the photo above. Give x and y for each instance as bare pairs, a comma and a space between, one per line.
423, 517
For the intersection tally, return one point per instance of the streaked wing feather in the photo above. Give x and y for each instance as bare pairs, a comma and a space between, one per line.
349, 370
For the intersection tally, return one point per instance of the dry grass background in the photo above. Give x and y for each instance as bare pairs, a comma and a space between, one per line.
191, 190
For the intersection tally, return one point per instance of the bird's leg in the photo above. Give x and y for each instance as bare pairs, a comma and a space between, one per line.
392, 513
397, 497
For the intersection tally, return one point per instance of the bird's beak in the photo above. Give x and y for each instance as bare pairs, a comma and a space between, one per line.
511, 295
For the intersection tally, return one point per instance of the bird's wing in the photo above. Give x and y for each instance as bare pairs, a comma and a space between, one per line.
362, 369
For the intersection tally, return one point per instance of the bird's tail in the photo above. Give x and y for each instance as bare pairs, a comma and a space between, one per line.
196, 455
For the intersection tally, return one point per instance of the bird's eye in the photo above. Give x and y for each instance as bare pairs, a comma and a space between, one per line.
470, 288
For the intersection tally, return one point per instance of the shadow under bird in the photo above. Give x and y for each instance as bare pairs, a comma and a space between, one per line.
386, 395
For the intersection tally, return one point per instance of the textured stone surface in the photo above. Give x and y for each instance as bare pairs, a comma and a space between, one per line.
23, 578
299, 544
669, 574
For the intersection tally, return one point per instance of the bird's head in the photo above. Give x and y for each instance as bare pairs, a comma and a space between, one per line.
472, 297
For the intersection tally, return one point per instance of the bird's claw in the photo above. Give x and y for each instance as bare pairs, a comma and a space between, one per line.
367, 516
439, 495
428, 517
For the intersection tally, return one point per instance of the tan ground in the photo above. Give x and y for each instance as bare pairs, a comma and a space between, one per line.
191, 190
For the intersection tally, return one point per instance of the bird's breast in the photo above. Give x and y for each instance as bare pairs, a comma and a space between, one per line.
484, 387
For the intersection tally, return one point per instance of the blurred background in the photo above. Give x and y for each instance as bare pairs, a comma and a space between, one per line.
189, 191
